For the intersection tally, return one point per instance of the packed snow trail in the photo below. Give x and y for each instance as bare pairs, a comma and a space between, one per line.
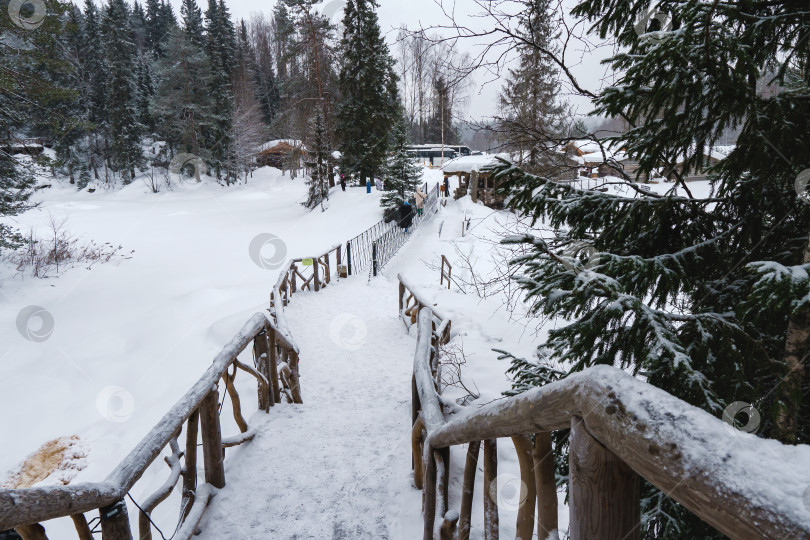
338, 466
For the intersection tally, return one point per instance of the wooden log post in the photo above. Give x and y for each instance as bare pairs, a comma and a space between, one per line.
293, 284
327, 274
190, 469
545, 481
272, 365
401, 299
82, 527
261, 351
35, 531
604, 491
491, 489
115, 522
315, 277
429, 493
338, 253
213, 454
448, 529
524, 527
417, 448
467, 490
295, 382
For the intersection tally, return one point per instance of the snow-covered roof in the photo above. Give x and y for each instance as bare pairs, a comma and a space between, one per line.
290, 142
468, 164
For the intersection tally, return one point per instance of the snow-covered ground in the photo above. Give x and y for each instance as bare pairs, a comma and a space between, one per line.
130, 337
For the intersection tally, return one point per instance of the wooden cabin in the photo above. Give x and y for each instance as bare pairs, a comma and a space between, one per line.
471, 170
282, 154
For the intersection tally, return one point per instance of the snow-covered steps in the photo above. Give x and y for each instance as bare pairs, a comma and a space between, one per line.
339, 465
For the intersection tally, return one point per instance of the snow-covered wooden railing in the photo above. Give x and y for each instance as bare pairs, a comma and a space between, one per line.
196, 415
622, 429
411, 302
314, 274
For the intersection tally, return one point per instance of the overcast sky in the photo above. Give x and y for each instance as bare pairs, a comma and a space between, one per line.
427, 13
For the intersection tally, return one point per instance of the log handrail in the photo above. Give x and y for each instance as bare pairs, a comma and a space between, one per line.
25, 508
624, 429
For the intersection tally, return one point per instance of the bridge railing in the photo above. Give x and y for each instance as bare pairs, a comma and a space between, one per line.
196, 417
622, 429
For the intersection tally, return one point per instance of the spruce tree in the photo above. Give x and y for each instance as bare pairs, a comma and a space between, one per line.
221, 51
119, 54
193, 22
705, 298
532, 121
182, 101
369, 100
403, 174
318, 181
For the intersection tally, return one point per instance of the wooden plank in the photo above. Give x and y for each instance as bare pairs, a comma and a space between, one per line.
604, 492
213, 455
491, 489
315, 275
468, 490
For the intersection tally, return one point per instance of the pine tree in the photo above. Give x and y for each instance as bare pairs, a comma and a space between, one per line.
403, 174
532, 121
369, 99
123, 130
704, 298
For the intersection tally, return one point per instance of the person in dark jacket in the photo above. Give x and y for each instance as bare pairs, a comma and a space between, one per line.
343, 182
446, 187
405, 216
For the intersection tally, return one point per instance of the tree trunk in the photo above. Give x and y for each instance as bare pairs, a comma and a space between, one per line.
797, 348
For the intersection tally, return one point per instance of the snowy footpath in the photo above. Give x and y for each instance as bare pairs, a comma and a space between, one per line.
338, 466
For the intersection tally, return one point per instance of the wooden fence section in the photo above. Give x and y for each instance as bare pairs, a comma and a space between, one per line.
197, 416
445, 276
622, 429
